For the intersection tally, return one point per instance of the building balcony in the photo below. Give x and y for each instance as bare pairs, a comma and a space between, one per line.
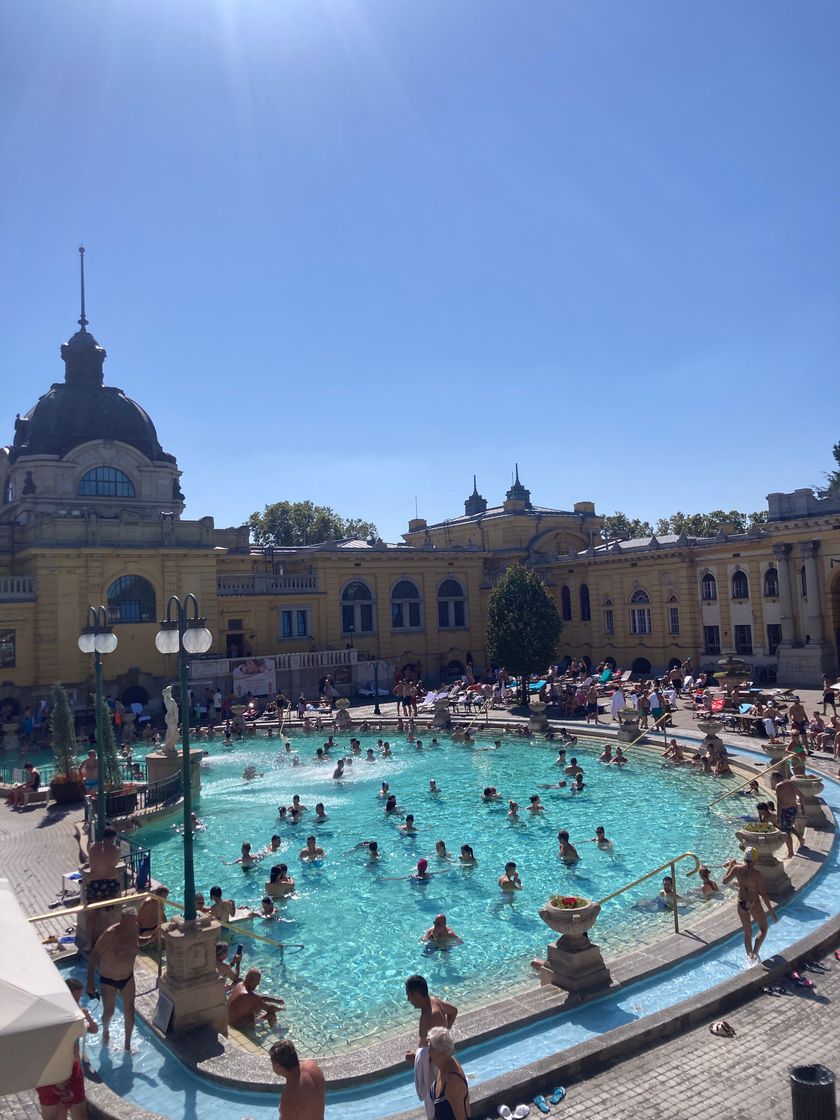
258, 583
17, 589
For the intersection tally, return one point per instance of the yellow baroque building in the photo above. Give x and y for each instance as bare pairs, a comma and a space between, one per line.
92, 513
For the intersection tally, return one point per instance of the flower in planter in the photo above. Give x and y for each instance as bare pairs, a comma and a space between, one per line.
343, 702
568, 902
759, 827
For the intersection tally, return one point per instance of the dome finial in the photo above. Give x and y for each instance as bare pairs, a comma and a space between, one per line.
517, 465
82, 320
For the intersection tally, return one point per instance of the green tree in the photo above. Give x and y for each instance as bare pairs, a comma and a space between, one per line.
618, 526
832, 478
64, 744
110, 755
523, 623
291, 524
709, 524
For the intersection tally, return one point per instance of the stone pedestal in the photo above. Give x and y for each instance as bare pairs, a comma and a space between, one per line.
537, 720
11, 742
810, 788
575, 964
162, 764
628, 729
442, 718
342, 719
190, 979
128, 721
776, 878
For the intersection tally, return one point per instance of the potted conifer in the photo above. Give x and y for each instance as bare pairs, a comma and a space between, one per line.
66, 785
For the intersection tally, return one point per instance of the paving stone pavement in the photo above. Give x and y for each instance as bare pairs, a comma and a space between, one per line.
696, 1076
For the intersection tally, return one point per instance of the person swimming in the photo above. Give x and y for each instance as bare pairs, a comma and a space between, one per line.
467, 856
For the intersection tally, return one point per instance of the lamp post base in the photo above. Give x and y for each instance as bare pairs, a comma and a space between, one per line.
190, 980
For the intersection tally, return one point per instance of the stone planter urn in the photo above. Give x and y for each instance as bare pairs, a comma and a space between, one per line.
775, 752
128, 721
442, 716
628, 730
810, 788
11, 742
342, 716
767, 840
537, 720
573, 962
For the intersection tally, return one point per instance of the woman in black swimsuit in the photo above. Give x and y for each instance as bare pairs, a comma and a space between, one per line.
451, 1093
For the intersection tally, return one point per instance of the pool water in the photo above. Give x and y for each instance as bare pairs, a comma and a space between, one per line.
360, 923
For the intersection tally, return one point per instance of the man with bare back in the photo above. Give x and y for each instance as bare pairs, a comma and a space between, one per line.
434, 1012
114, 955
304, 1093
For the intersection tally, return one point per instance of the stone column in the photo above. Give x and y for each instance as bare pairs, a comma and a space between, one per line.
813, 613
190, 979
782, 554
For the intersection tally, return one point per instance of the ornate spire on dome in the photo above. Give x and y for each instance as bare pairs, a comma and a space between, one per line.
518, 493
82, 355
475, 503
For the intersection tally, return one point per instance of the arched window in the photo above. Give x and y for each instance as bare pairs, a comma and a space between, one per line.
356, 608
405, 606
771, 584
585, 609
131, 599
609, 618
639, 613
451, 605
708, 588
105, 482
740, 585
565, 604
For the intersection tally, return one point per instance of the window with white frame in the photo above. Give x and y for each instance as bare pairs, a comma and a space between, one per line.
771, 584
451, 605
673, 620
406, 612
711, 640
609, 618
740, 585
639, 613
743, 640
294, 623
356, 608
708, 588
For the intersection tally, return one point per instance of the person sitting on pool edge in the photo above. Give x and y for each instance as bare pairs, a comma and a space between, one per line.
440, 934
244, 1005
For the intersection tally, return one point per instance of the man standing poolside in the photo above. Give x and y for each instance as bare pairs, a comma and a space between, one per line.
751, 894
114, 955
434, 1012
787, 796
304, 1094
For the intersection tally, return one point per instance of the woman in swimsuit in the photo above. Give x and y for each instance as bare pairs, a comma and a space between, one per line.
451, 1092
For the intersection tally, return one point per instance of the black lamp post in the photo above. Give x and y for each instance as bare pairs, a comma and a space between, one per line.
183, 634
376, 710
350, 629
97, 638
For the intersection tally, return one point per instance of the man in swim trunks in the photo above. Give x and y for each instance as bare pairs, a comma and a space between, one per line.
751, 894
104, 879
304, 1094
114, 955
788, 795
244, 1004
90, 771
57, 1100
434, 1012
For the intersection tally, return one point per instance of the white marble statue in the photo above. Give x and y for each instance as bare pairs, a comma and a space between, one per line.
170, 744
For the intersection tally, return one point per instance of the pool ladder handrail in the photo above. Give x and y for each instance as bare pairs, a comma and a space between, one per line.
649, 874
779, 762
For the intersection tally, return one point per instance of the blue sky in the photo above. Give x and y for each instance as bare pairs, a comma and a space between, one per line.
355, 252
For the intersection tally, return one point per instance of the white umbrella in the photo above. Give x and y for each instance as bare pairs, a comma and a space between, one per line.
39, 1019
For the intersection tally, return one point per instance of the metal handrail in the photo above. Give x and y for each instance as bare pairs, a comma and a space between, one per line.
648, 875
760, 774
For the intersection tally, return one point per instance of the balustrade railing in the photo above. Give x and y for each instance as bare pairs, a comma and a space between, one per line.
257, 583
17, 588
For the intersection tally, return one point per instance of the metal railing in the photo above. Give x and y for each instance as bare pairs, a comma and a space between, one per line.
672, 863
753, 778
168, 789
12, 772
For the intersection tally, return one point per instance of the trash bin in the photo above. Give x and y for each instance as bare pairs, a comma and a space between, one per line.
812, 1093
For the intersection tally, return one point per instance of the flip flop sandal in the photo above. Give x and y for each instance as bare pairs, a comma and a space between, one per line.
837, 954
542, 1104
504, 1112
557, 1096
521, 1111
802, 981
722, 1029
771, 991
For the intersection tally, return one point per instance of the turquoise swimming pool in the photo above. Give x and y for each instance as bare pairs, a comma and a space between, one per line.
360, 922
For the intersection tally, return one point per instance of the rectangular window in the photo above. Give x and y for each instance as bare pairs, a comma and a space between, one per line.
285, 624
414, 614
640, 620
458, 612
7, 649
743, 640
302, 622
609, 622
348, 620
397, 616
365, 618
711, 640
674, 620
774, 638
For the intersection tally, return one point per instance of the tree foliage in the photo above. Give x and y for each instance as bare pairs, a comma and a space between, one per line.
291, 524
832, 478
618, 526
64, 744
523, 623
109, 752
